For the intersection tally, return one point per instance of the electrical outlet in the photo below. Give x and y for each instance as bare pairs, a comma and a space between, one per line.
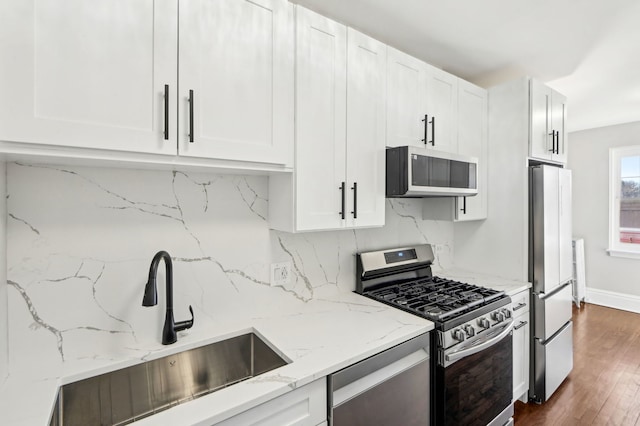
280, 273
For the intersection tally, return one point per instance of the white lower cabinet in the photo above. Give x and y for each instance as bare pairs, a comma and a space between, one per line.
521, 344
305, 406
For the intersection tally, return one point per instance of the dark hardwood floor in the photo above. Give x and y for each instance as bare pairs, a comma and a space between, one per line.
604, 386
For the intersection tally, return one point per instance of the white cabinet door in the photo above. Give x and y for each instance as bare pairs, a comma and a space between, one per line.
472, 140
558, 121
442, 109
540, 140
548, 138
406, 102
305, 406
89, 74
521, 330
236, 65
321, 64
366, 88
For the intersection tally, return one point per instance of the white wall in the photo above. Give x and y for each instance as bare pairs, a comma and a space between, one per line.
3, 276
80, 241
589, 161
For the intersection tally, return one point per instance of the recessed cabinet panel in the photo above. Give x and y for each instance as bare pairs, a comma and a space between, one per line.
539, 145
236, 79
89, 74
406, 101
472, 140
558, 118
320, 121
366, 88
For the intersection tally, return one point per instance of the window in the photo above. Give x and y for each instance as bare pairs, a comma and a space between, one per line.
624, 202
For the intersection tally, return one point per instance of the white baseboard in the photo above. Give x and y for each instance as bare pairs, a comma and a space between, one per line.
625, 302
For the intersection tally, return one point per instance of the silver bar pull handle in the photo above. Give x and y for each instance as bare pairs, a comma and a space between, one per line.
520, 325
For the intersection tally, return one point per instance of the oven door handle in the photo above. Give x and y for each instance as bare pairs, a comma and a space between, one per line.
482, 345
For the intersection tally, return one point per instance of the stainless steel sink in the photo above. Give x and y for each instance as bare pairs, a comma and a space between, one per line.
124, 396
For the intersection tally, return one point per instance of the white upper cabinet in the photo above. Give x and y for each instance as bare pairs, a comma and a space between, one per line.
442, 110
366, 89
321, 73
472, 140
548, 138
236, 80
339, 174
406, 99
89, 74
422, 104
104, 74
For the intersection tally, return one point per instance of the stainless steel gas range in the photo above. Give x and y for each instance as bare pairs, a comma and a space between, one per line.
471, 346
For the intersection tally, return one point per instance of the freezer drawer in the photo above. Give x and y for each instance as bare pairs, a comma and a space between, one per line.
552, 311
553, 362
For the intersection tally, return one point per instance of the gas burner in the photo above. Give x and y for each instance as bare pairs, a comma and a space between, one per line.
435, 298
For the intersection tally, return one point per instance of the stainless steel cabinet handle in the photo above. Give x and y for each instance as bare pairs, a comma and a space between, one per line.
191, 100
520, 306
166, 112
522, 324
553, 141
355, 200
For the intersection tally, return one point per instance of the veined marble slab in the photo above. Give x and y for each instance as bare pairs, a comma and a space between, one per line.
79, 244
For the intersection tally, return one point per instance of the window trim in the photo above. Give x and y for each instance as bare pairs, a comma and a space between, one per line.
617, 248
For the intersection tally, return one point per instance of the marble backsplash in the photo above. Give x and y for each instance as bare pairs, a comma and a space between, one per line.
80, 240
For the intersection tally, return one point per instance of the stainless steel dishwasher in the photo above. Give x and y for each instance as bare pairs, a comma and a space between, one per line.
390, 388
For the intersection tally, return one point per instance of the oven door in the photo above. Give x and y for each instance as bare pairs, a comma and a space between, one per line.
474, 385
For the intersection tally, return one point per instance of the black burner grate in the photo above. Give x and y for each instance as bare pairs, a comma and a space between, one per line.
435, 298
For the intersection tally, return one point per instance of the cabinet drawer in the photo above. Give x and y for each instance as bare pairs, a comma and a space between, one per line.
520, 302
305, 406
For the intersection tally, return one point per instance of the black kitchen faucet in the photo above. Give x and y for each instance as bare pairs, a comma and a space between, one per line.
171, 328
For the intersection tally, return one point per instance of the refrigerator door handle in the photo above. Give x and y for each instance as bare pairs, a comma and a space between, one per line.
556, 290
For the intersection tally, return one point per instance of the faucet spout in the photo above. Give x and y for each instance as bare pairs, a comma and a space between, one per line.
170, 328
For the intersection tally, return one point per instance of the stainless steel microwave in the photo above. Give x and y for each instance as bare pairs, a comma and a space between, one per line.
422, 172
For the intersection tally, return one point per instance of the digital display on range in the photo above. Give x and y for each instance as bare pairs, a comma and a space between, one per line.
400, 255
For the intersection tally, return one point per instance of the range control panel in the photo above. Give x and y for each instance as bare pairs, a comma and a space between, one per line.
475, 328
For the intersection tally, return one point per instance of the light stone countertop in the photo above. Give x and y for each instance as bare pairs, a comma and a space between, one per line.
320, 337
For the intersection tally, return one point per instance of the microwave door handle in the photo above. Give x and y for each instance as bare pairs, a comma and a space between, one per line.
482, 345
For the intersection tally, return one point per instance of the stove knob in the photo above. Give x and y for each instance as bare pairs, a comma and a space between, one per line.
498, 316
484, 323
469, 330
459, 335
507, 313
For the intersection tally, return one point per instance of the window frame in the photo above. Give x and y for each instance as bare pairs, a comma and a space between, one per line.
616, 247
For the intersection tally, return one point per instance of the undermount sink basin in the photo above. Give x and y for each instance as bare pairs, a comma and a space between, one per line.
129, 394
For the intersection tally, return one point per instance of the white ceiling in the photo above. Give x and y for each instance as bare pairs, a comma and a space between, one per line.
587, 49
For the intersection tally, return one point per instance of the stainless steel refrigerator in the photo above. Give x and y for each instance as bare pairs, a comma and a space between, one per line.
550, 271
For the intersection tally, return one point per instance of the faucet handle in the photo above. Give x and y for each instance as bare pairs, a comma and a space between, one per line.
183, 325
